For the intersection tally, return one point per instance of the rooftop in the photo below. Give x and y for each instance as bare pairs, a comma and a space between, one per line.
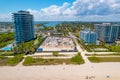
108, 24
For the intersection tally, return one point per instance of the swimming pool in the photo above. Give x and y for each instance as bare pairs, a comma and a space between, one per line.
7, 48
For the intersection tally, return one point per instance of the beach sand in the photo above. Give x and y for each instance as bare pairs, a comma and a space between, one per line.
92, 71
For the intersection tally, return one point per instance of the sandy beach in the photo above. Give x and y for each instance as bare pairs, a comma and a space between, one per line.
92, 71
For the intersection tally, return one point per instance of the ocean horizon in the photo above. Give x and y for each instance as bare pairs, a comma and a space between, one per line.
48, 23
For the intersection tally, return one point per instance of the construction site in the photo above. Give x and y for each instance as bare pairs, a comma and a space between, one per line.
55, 43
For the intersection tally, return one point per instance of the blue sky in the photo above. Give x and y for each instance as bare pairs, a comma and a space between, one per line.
63, 10
7, 6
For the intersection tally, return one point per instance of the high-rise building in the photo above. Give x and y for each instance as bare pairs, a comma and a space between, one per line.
107, 32
118, 33
88, 36
23, 23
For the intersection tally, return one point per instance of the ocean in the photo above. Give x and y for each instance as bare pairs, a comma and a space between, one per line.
48, 23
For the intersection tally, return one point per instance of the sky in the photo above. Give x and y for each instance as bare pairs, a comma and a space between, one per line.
63, 10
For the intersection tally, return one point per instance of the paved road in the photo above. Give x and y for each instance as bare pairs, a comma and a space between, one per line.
100, 52
20, 64
79, 49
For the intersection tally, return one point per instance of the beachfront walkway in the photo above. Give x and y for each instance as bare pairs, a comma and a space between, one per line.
79, 49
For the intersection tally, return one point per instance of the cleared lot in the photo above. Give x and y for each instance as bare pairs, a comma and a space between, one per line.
53, 43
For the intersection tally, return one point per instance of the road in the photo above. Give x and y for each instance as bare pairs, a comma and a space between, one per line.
80, 49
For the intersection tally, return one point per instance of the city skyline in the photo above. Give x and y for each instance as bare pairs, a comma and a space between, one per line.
63, 10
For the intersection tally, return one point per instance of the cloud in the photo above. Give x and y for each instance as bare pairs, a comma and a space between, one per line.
80, 10
55, 10
96, 9
52, 12
5, 17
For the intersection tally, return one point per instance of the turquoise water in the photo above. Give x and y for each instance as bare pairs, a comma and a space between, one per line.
49, 23
52, 24
7, 48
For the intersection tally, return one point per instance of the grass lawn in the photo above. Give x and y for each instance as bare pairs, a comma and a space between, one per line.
5, 61
40, 61
114, 48
7, 54
77, 59
0, 53
104, 59
15, 60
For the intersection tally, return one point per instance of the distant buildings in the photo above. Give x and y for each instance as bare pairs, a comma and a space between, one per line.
6, 27
107, 32
23, 23
88, 36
